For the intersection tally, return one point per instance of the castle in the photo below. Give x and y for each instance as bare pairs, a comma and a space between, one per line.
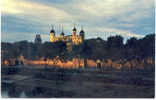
70, 40
38, 39
73, 39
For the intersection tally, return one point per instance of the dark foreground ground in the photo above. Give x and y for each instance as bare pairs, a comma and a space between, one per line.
38, 82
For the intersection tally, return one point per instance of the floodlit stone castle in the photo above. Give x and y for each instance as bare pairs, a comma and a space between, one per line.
74, 38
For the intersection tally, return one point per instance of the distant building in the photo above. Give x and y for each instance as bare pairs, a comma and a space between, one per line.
73, 39
38, 39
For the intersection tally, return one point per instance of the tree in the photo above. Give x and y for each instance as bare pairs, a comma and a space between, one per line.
115, 47
115, 41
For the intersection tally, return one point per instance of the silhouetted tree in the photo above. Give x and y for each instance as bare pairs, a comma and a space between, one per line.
115, 47
97, 48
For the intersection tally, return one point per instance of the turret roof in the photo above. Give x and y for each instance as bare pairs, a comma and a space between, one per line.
74, 29
52, 31
81, 31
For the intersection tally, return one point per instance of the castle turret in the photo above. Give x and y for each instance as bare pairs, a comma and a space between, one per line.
62, 33
52, 31
74, 31
52, 35
38, 39
82, 33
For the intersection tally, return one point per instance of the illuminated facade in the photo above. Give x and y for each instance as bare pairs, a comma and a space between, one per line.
73, 39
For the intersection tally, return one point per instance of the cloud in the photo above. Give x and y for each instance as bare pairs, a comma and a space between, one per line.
106, 32
31, 9
17, 36
114, 17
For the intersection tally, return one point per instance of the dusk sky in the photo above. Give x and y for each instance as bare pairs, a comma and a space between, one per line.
23, 19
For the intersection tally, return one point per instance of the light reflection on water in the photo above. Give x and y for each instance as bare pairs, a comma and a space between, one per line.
5, 94
18, 91
23, 95
75, 85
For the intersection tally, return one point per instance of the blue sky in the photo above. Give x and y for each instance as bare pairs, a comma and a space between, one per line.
23, 19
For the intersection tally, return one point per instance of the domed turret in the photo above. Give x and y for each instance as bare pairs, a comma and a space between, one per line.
52, 30
62, 33
52, 35
82, 33
74, 29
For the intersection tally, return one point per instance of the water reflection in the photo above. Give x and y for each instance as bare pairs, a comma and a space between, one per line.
42, 83
70, 83
4, 94
19, 91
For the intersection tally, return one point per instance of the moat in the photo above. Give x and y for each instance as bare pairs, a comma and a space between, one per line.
50, 82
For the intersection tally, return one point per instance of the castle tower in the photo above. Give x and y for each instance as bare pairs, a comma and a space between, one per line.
38, 39
74, 31
82, 33
62, 33
52, 35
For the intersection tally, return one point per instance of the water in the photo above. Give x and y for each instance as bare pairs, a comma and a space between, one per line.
9, 90
23, 95
19, 91
5, 94
67, 84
